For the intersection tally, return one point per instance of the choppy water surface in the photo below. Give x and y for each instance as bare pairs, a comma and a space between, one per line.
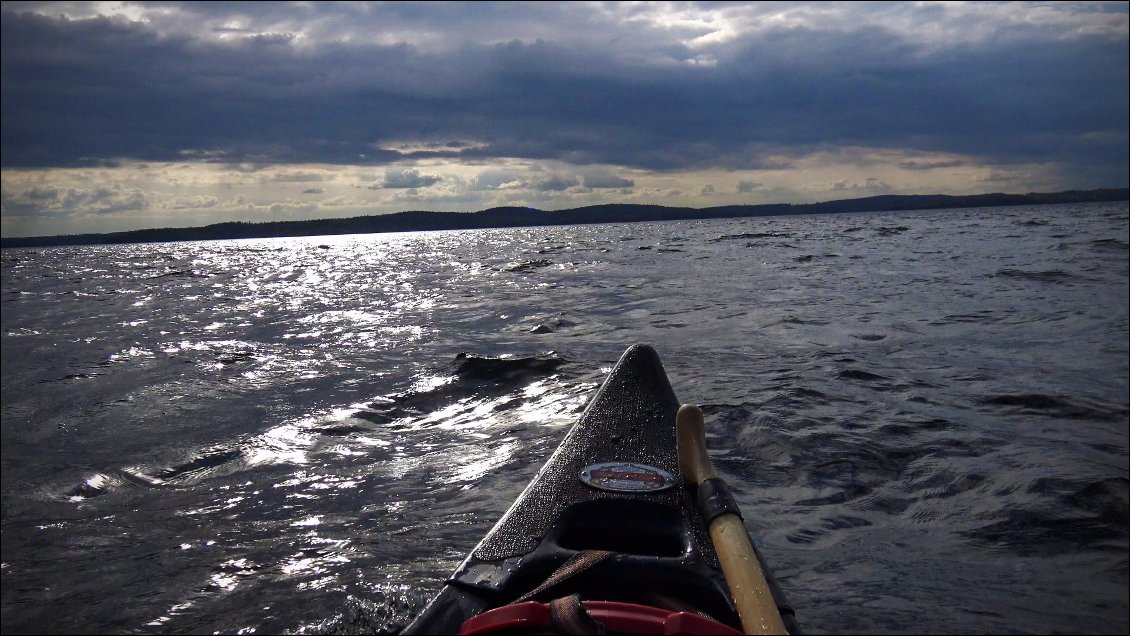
924, 414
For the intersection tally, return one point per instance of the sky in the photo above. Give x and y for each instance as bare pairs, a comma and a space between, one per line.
130, 115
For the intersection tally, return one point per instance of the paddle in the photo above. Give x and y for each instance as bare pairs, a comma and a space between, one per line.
740, 565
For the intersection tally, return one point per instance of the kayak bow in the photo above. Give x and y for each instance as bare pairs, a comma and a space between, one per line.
607, 537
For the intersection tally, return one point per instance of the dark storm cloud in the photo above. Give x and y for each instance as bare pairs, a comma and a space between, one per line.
81, 92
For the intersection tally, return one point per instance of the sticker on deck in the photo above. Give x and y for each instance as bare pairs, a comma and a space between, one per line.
627, 477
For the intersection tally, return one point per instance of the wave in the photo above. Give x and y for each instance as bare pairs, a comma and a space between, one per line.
552, 326
857, 374
750, 235
1063, 516
1045, 276
810, 257
467, 376
1114, 245
891, 230
195, 466
187, 273
525, 266
1056, 406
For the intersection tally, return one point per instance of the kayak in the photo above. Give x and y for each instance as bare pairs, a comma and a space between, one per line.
610, 537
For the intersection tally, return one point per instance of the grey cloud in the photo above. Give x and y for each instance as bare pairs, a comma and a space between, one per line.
297, 177
62, 201
556, 183
190, 203
18, 206
409, 178
40, 193
871, 185
493, 179
998, 177
748, 186
272, 38
597, 179
930, 165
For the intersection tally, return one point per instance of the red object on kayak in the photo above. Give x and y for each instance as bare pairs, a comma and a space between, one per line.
626, 618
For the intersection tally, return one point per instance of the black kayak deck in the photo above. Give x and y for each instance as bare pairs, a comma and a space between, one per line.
661, 543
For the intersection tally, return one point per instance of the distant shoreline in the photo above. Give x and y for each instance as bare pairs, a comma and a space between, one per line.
417, 221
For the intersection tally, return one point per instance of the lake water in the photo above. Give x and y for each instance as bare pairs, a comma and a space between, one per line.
923, 414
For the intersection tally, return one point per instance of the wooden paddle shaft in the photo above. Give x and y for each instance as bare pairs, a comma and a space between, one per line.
756, 607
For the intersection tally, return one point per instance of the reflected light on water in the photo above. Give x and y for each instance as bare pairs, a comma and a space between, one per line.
225, 582
477, 462
232, 572
330, 552
544, 406
174, 611
467, 414
286, 443
428, 383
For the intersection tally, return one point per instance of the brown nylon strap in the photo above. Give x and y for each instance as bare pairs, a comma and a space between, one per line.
574, 566
569, 616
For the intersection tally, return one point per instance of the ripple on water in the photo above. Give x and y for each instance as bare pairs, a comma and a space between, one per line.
1043, 276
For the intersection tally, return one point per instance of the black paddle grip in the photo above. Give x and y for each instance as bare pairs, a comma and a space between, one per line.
714, 499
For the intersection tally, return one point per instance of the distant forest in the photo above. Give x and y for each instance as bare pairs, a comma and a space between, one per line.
415, 221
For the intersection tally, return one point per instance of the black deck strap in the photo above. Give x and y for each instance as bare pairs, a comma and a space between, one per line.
714, 499
569, 616
574, 566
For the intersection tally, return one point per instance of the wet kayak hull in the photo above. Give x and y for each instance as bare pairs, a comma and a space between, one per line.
613, 485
